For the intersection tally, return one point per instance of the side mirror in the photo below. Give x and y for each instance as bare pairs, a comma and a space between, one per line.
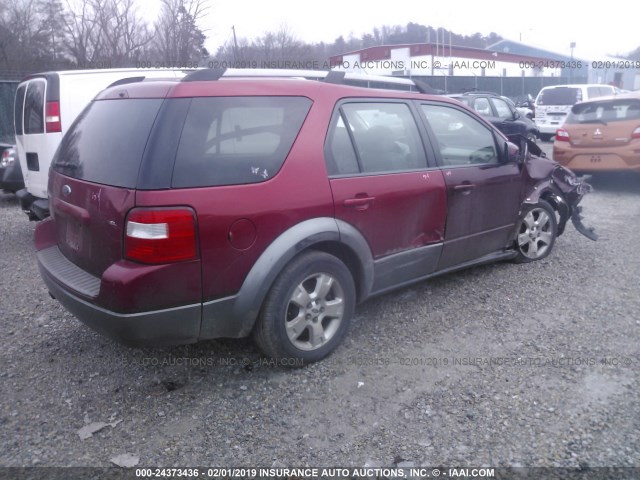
511, 153
516, 115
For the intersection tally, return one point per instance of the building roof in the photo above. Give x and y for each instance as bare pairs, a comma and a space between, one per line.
519, 48
383, 52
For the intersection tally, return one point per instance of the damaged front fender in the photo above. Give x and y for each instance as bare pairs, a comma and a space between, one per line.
550, 181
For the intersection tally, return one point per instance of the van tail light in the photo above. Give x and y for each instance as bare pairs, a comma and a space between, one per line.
636, 133
562, 135
156, 236
52, 117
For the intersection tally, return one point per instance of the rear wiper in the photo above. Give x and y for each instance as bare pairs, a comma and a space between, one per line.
597, 120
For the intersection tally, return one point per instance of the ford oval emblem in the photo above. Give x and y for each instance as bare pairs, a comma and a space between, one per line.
66, 190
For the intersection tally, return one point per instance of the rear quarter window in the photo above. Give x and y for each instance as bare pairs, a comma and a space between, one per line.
237, 140
106, 142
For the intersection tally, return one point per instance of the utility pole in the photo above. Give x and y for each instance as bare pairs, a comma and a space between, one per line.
235, 44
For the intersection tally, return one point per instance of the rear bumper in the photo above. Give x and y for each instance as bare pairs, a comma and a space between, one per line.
588, 160
173, 326
548, 129
74, 288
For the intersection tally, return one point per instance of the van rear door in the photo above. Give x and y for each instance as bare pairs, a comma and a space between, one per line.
37, 126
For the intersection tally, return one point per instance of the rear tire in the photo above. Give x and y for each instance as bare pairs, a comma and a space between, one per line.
536, 233
307, 311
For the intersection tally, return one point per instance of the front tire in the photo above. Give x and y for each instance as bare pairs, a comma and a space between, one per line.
307, 311
537, 232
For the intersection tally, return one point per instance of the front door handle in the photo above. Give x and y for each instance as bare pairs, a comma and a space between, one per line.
464, 188
359, 203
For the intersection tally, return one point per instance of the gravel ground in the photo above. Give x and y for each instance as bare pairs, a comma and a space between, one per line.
498, 365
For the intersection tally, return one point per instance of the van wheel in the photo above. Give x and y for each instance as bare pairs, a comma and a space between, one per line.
307, 311
537, 231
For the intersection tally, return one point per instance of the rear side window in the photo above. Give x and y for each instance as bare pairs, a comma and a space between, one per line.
34, 108
559, 96
385, 135
605, 111
237, 140
106, 142
18, 109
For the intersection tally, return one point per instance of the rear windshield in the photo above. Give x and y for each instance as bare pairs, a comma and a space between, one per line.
605, 111
235, 140
559, 96
106, 142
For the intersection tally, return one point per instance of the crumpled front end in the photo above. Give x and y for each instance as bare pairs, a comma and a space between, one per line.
550, 181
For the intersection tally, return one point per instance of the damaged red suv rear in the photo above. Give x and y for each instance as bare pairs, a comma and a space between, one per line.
191, 210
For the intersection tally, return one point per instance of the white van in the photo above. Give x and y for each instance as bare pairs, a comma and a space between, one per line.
46, 106
554, 103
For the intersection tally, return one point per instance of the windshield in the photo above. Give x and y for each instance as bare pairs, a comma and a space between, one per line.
605, 111
106, 142
559, 96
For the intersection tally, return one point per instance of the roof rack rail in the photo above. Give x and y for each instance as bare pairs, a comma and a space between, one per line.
473, 90
204, 74
124, 81
334, 76
424, 87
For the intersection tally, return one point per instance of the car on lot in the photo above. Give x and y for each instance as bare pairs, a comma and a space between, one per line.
500, 112
222, 207
554, 103
10, 173
601, 135
523, 109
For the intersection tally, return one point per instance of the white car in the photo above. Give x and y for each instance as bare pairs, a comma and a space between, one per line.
553, 104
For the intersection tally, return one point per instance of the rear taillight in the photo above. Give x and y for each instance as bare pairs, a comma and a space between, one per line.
636, 133
52, 117
562, 135
156, 236
8, 157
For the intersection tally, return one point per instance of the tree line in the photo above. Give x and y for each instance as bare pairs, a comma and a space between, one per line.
283, 45
39, 35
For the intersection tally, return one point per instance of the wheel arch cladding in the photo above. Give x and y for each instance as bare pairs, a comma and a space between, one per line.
326, 234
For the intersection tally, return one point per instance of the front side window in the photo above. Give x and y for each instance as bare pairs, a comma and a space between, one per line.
502, 108
34, 108
236, 140
386, 137
462, 139
481, 105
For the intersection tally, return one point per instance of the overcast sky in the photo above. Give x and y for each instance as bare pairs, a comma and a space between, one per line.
608, 28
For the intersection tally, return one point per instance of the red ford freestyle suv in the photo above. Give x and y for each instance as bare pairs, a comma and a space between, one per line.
204, 208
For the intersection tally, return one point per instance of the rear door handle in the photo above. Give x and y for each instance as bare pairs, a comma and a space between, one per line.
359, 203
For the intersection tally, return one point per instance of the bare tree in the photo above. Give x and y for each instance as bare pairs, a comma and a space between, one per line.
178, 38
84, 39
123, 33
